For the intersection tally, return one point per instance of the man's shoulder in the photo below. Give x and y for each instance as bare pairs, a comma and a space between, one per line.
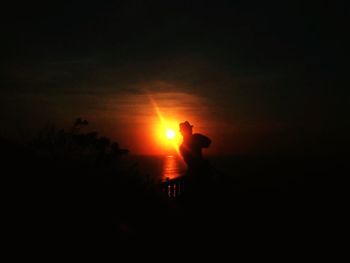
198, 136
202, 139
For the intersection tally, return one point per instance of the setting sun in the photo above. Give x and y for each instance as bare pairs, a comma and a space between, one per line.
170, 134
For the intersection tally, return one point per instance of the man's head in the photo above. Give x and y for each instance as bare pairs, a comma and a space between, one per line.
185, 128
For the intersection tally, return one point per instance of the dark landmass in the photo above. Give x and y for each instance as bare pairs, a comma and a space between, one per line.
74, 189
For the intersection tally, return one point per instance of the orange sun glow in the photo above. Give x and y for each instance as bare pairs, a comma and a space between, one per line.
170, 134
165, 129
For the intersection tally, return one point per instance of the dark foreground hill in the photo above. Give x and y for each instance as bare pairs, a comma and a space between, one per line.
67, 190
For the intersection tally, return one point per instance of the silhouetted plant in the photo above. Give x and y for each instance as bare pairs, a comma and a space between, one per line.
76, 144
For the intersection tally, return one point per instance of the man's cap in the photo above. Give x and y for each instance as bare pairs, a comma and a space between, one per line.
185, 125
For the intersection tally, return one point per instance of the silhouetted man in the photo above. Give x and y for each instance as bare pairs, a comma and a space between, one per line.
191, 149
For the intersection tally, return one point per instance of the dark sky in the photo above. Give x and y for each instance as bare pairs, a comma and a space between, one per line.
256, 76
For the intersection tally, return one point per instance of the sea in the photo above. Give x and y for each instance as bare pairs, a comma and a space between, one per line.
258, 171
158, 167
163, 167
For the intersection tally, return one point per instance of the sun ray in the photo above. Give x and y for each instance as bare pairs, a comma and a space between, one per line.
164, 124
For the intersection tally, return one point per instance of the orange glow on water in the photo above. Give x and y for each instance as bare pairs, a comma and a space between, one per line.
173, 167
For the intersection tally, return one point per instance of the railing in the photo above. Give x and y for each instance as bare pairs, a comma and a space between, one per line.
174, 187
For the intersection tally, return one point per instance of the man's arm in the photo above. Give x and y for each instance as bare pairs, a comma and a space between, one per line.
202, 140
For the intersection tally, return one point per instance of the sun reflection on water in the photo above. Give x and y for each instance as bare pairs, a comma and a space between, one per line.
173, 167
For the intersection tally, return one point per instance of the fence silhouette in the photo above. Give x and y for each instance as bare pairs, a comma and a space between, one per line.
174, 187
